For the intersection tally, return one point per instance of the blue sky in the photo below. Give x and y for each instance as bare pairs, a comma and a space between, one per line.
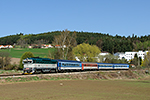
121, 17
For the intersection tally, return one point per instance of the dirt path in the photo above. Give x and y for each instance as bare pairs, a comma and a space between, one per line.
15, 60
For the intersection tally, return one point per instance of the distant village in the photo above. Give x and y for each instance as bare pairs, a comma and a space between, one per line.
32, 46
121, 55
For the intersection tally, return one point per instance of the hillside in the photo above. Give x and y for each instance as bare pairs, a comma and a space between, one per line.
106, 42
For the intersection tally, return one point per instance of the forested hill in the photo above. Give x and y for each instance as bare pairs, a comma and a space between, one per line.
106, 42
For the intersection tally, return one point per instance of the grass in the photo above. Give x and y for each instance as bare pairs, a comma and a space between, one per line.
10, 71
29, 79
18, 52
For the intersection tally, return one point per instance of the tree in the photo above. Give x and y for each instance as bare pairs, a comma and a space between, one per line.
99, 43
24, 56
39, 43
65, 41
113, 59
135, 60
22, 42
139, 61
146, 61
86, 52
52, 53
4, 59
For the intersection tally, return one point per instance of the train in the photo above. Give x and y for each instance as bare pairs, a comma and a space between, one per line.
46, 65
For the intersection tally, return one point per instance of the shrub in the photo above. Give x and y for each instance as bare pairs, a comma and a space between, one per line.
9, 67
24, 56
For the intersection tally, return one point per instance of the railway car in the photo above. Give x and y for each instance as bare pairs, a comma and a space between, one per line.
105, 66
120, 66
37, 65
89, 66
68, 65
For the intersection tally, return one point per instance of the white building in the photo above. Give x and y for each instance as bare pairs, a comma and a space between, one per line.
120, 55
104, 53
1, 46
10, 46
100, 57
5, 46
48, 46
130, 55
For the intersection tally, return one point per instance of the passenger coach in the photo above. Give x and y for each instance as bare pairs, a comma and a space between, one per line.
105, 66
68, 65
121, 66
89, 66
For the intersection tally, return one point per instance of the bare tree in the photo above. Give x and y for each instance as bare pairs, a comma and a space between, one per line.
99, 43
22, 42
65, 41
40, 42
146, 61
4, 59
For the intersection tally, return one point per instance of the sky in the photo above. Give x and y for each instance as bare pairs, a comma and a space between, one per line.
113, 17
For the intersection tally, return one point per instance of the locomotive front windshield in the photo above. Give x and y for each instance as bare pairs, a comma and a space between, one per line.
27, 61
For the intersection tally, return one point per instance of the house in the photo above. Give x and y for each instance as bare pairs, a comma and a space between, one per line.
29, 46
130, 55
59, 46
1, 46
104, 53
48, 46
99, 58
132, 65
5, 46
10, 46
102, 56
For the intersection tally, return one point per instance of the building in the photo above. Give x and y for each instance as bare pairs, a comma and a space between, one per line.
5, 46
102, 56
46, 46
104, 53
130, 55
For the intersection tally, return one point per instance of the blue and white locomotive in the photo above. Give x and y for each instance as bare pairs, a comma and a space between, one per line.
37, 65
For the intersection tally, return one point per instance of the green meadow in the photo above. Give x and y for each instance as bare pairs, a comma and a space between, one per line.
38, 52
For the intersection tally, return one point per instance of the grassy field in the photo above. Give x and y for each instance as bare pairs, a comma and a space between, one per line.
17, 52
76, 90
128, 86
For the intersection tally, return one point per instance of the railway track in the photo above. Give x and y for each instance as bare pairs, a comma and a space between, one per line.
7, 75
53, 74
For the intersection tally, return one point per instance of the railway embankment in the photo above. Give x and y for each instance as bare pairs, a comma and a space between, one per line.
122, 75
88, 75
108, 75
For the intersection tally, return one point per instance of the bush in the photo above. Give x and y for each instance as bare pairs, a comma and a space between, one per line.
24, 56
4, 59
11, 67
